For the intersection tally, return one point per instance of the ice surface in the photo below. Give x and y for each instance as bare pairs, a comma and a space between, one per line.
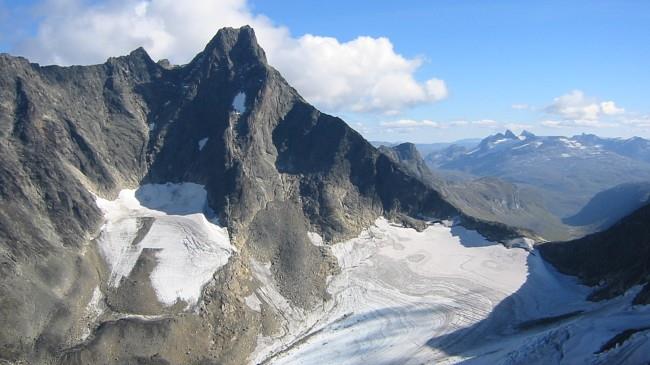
170, 218
202, 143
397, 289
239, 103
401, 293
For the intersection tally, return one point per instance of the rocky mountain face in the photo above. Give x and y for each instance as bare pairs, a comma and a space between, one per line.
611, 205
568, 171
488, 198
613, 260
274, 168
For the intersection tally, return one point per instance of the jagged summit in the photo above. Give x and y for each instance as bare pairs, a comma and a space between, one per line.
527, 134
239, 45
407, 150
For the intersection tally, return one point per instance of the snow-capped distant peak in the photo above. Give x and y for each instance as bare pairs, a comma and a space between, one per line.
510, 135
239, 103
572, 144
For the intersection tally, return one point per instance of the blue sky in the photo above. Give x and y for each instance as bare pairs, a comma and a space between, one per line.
568, 66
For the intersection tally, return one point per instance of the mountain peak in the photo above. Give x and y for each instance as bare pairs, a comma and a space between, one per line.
509, 134
407, 150
527, 134
236, 44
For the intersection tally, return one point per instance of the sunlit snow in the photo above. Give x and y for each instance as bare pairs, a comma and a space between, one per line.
170, 218
403, 295
239, 103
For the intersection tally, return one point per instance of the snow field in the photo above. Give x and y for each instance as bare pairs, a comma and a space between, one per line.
170, 218
402, 291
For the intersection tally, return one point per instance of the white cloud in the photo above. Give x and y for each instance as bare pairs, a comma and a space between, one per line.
361, 75
639, 121
410, 123
458, 122
576, 106
578, 123
485, 122
551, 123
609, 108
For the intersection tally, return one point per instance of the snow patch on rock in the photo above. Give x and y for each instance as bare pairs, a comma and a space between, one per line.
239, 103
253, 302
315, 238
202, 143
94, 309
174, 220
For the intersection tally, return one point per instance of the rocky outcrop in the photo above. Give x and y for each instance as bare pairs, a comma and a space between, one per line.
490, 199
613, 260
274, 167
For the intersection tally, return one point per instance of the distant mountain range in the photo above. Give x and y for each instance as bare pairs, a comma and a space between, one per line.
427, 148
567, 171
489, 198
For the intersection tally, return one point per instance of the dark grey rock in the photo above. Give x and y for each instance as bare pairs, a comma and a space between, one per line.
613, 260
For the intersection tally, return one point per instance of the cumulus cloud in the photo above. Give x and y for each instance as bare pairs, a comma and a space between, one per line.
365, 74
410, 123
576, 106
609, 108
578, 123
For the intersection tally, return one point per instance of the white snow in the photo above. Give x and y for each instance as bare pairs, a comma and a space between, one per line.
397, 289
572, 144
189, 247
202, 143
534, 144
401, 292
93, 310
520, 147
315, 238
239, 103
253, 302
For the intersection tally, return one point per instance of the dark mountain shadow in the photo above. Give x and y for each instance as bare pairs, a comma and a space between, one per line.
505, 321
469, 238
394, 316
175, 199
609, 206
